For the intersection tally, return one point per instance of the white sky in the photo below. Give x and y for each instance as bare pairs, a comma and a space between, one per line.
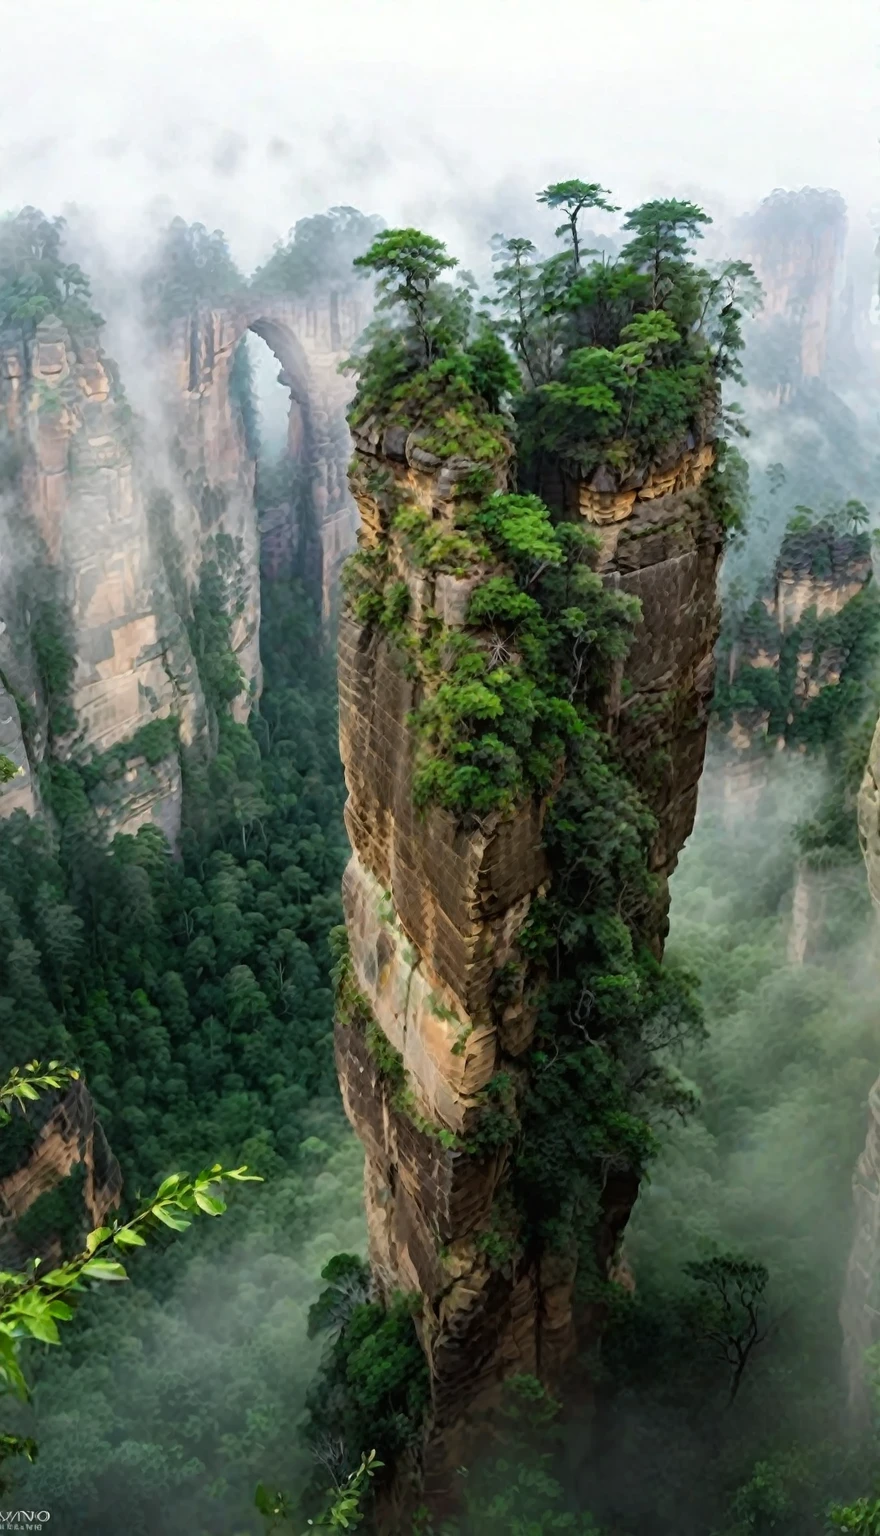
251, 113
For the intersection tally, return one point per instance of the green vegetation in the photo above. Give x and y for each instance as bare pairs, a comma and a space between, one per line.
743, 1231
373, 1385
507, 705
191, 267
430, 365
517, 1490
35, 279
33, 1301
194, 994
317, 252
812, 685
155, 741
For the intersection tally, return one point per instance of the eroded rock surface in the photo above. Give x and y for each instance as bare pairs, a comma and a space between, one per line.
434, 909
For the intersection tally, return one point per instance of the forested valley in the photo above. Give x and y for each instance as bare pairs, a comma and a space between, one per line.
194, 986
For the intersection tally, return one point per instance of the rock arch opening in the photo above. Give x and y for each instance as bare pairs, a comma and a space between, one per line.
281, 391
307, 518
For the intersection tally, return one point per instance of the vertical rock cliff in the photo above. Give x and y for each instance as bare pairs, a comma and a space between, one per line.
441, 995
803, 635
103, 535
310, 338
79, 578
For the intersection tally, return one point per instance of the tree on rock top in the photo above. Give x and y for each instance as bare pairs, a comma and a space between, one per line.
573, 197
407, 264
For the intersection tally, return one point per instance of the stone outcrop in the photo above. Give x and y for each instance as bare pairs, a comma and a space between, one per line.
76, 520
20, 793
68, 1137
799, 585
810, 904
664, 549
310, 338
434, 907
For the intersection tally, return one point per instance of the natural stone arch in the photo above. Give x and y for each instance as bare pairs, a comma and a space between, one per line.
290, 535
310, 337
283, 343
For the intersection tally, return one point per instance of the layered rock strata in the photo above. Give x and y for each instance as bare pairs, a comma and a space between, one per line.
74, 522
434, 906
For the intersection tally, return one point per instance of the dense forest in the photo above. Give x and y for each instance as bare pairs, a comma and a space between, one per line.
195, 991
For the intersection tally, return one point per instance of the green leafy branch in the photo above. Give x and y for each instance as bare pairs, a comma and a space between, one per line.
25, 1084
343, 1512
32, 1303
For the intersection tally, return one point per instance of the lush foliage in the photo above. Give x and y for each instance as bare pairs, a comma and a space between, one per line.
191, 267
811, 684
625, 355
373, 1384
426, 362
508, 704
35, 279
195, 995
318, 251
33, 1301
753, 1190
514, 1488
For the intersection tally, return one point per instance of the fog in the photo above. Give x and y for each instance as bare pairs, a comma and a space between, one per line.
250, 117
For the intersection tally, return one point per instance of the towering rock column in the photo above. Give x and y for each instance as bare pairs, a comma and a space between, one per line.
438, 1003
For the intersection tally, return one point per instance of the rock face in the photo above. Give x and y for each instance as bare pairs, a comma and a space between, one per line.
68, 1137
819, 572
660, 545
77, 516
795, 241
434, 909
310, 338
76, 520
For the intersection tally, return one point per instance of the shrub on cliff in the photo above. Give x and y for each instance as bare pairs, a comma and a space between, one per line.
373, 1387
427, 361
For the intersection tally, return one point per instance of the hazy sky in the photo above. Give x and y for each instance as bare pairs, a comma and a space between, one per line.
251, 113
